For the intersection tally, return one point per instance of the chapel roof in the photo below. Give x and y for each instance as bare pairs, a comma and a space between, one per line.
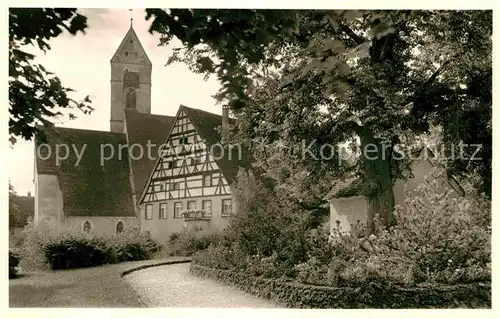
88, 188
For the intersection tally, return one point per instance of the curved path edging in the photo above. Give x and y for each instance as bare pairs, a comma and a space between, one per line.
298, 295
162, 263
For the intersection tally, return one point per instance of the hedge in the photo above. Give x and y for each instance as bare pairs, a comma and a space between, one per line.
296, 295
13, 263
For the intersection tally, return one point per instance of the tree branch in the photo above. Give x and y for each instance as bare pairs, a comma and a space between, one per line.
358, 39
429, 81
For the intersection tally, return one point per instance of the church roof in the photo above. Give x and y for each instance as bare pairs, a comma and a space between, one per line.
142, 128
131, 50
88, 189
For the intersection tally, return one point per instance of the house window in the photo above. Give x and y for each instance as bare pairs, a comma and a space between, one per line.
176, 186
149, 211
170, 165
87, 226
191, 205
177, 210
183, 141
207, 207
163, 211
119, 227
227, 207
207, 180
161, 187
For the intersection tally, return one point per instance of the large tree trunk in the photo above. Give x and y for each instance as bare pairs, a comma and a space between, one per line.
377, 171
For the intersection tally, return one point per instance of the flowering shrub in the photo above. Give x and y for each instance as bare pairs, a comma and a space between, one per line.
46, 247
447, 238
439, 238
36, 236
194, 214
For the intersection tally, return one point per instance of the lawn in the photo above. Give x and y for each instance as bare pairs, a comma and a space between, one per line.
88, 287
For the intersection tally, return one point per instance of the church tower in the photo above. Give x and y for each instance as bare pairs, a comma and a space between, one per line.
130, 80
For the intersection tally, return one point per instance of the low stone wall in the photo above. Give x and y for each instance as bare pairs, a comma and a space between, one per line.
296, 295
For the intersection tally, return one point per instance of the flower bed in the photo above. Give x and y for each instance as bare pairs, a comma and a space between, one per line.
296, 295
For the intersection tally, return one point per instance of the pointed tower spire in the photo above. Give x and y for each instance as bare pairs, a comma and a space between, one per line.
130, 80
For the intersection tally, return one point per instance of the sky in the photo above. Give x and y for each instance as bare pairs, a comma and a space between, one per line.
82, 63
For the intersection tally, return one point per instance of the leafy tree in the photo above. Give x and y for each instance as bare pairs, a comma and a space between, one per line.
367, 76
13, 207
34, 92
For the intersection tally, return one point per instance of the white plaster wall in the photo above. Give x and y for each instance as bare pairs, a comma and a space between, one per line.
100, 224
345, 212
48, 200
161, 229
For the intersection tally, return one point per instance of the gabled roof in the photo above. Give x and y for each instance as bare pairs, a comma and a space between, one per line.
89, 189
142, 128
129, 44
208, 125
350, 186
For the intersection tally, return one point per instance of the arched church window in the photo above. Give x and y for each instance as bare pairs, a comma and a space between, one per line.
119, 227
131, 99
87, 226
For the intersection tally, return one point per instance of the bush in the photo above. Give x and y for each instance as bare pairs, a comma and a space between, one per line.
132, 244
189, 242
221, 257
45, 247
36, 236
269, 223
76, 252
439, 239
13, 263
294, 295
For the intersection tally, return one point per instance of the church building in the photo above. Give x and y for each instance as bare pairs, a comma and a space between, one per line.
157, 173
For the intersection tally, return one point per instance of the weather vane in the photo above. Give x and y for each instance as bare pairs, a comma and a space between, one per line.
131, 18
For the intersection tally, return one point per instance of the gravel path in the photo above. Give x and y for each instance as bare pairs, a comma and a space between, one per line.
173, 286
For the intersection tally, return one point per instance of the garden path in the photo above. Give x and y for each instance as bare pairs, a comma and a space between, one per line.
174, 286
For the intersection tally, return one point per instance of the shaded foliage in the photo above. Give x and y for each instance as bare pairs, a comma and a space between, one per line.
338, 76
36, 94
